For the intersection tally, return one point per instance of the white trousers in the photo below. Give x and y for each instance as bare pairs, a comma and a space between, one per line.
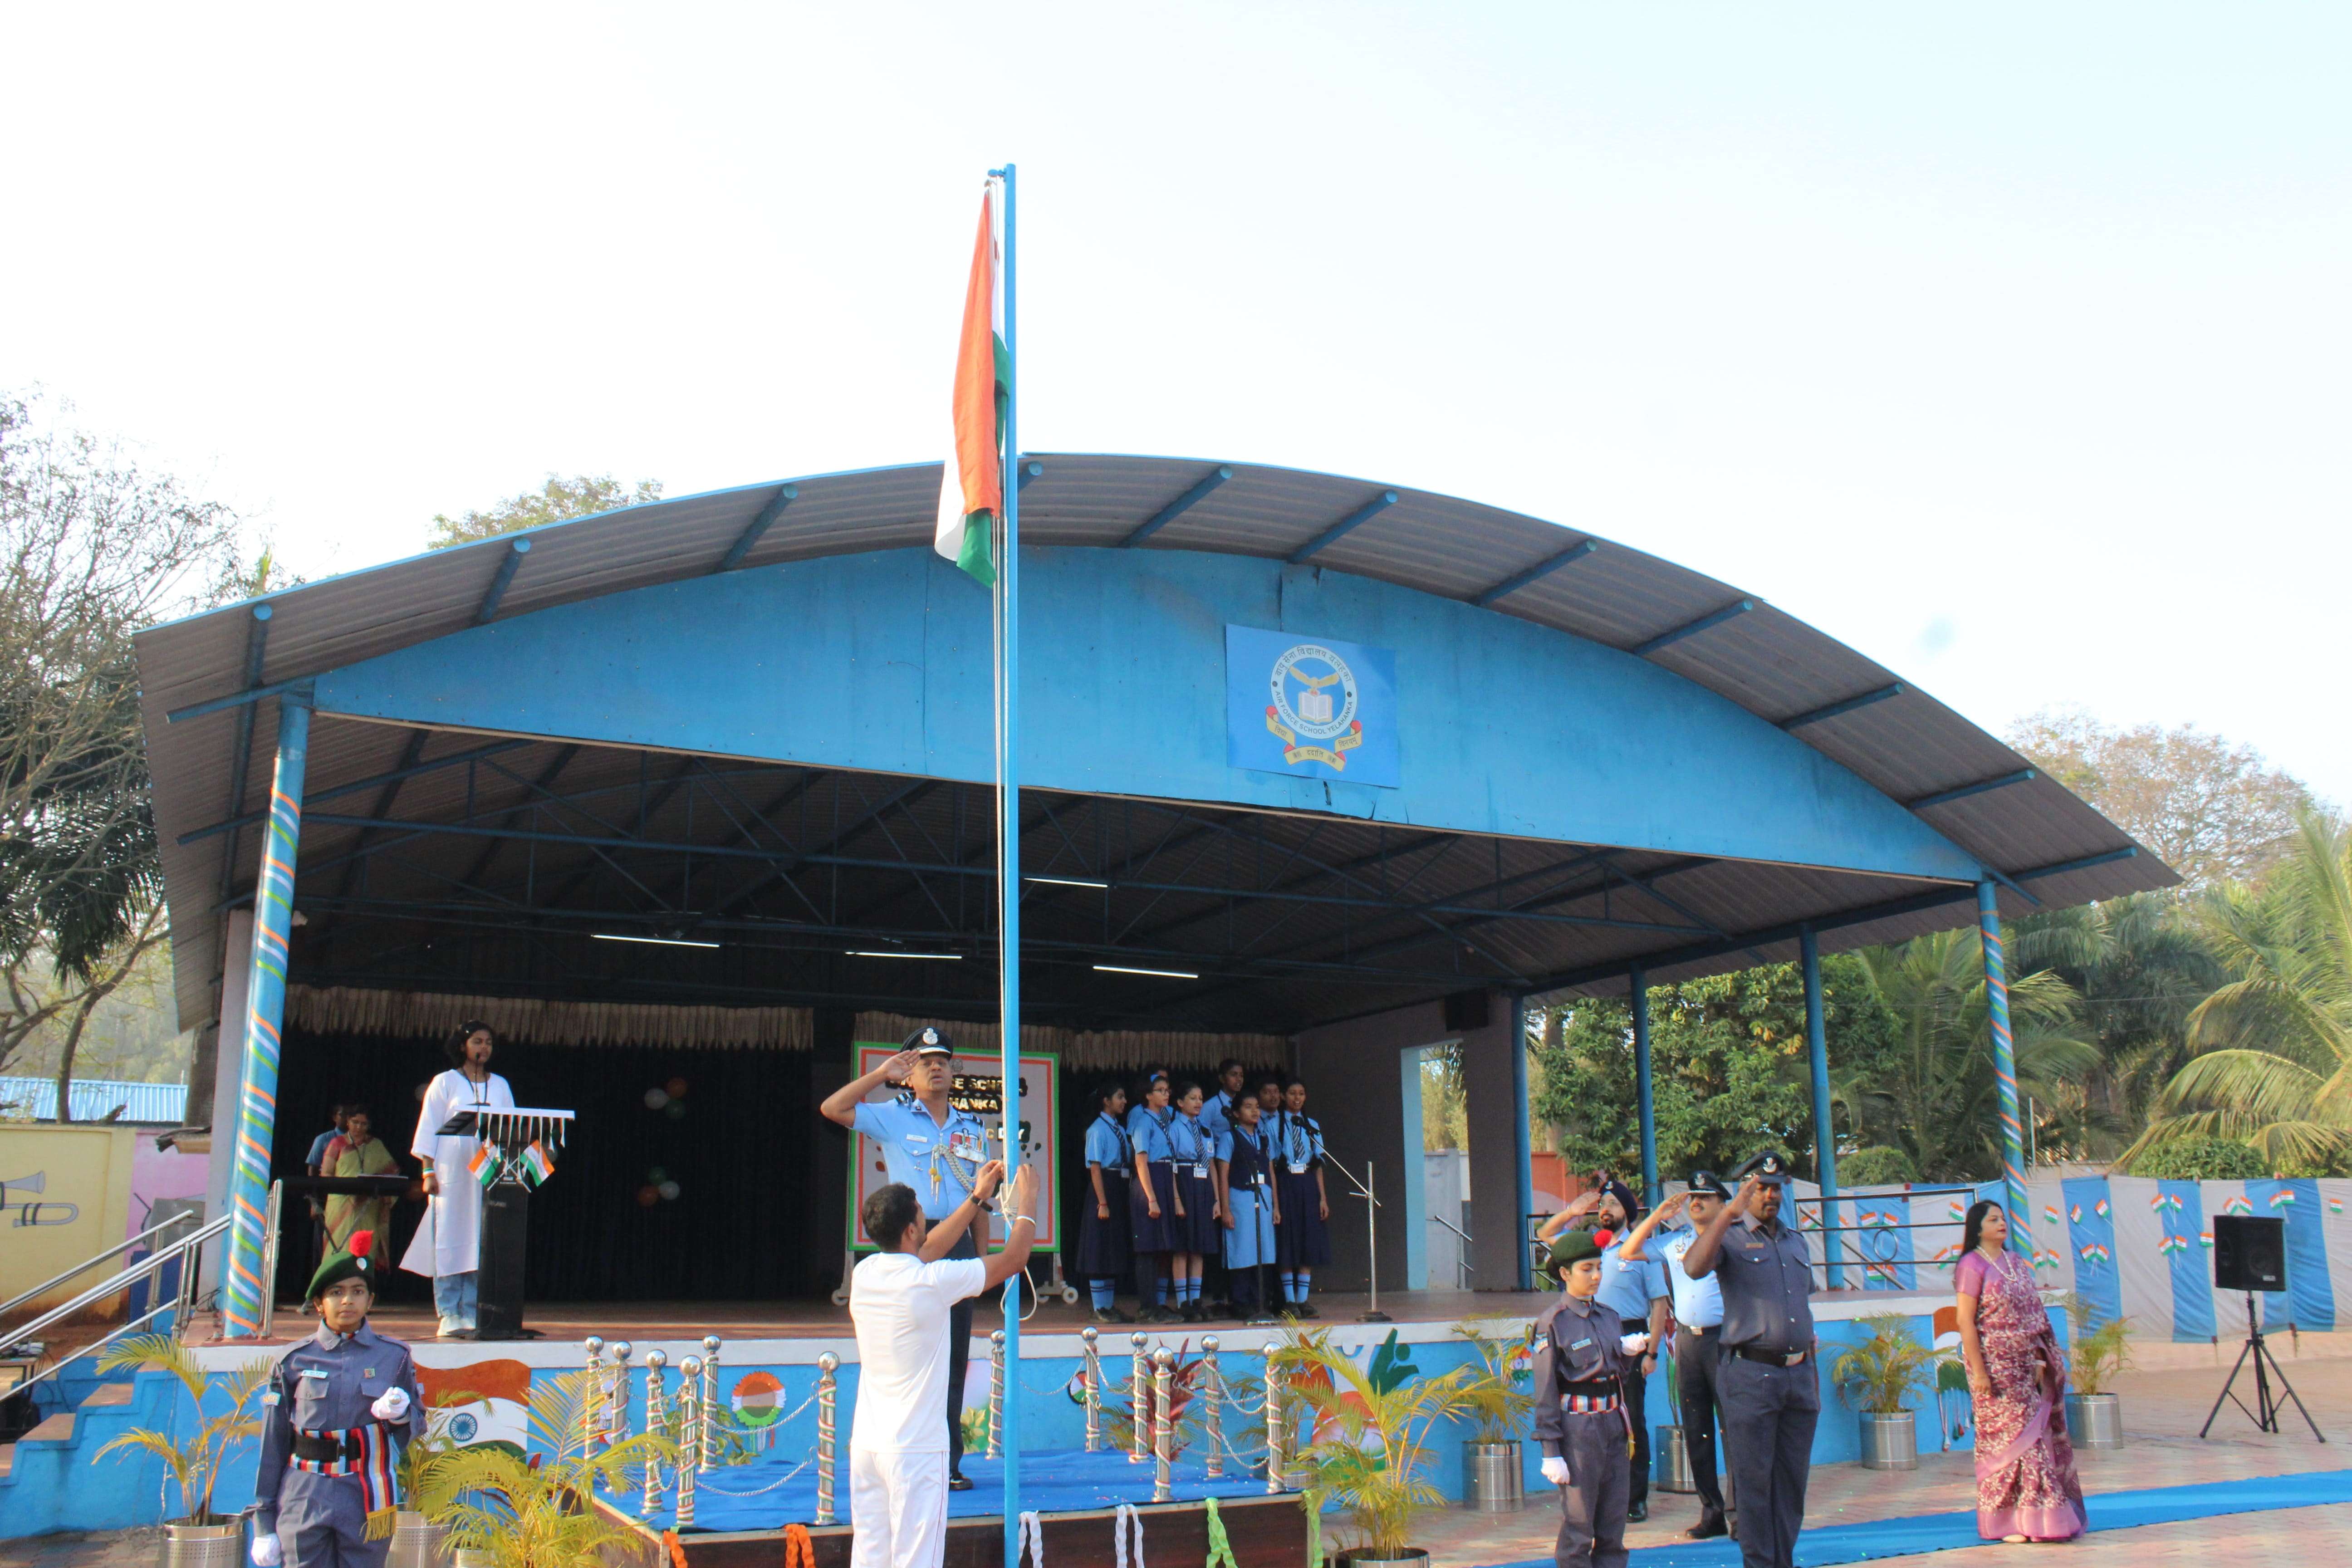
898, 1508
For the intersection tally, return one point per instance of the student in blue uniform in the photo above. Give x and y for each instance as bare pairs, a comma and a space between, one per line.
1246, 1193
1105, 1229
1304, 1242
1151, 1201
937, 1150
1198, 1232
337, 1409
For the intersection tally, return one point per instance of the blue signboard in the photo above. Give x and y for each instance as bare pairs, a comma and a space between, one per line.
1310, 705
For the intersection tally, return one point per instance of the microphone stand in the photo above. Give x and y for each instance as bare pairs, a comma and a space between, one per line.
1373, 1314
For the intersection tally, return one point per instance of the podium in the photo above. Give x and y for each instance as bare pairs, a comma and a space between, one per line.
520, 1144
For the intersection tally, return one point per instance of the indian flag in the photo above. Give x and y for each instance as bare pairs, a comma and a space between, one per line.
485, 1165
971, 486
536, 1166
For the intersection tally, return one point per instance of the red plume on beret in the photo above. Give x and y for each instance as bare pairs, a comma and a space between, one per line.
1600, 1238
362, 1242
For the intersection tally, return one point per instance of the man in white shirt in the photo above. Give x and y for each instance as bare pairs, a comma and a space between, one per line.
1698, 1326
899, 1302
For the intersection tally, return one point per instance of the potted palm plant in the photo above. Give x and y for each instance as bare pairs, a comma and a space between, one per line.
203, 1537
2095, 1417
1878, 1377
1670, 1445
419, 1539
1371, 1452
1500, 1396
508, 1510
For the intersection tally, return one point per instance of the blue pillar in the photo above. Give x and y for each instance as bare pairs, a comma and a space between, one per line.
243, 1289
2004, 1066
1638, 982
1817, 1046
1522, 1138
1008, 864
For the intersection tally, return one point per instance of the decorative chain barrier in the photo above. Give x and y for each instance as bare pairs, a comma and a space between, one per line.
702, 1457
1139, 1400
827, 1365
772, 1486
996, 1395
689, 1432
1163, 1428
591, 1399
1092, 1339
616, 1404
655, 1422
1211, 1414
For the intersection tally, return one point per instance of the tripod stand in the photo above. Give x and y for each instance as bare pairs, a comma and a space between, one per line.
2266, 1409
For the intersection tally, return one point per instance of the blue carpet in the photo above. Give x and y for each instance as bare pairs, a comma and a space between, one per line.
1067, 1481
1949, 1531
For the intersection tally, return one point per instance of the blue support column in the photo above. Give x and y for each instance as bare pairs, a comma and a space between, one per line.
1522, 1136
1644, 1095
1817, 1048
243, 1289
2004, 1065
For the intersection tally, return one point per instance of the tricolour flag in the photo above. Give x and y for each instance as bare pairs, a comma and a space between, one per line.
485, 1165
972, 486
536, 1166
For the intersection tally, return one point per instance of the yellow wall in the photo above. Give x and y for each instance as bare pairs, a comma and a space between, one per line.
83, 1206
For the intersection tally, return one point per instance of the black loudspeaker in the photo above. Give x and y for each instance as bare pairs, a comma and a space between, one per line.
1465, 1010
2249, 1254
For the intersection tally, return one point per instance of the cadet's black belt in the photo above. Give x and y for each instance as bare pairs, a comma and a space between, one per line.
1769, 1358
1591, 1385
327, 1450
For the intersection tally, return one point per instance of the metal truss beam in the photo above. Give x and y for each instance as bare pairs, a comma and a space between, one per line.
1179, 507
756, 529
509, 565
1847, 705
1537, 572
1962, 792
1666, 639
409, 768
1344, 527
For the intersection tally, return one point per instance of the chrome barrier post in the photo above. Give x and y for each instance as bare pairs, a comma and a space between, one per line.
592, 1397
1091, 1338
1213, 1430
689, 1401
654, 1362
827, 1393
1272, 1426
996, 1395
1140, 1394
1163, 1438
617, 1413
702, 1447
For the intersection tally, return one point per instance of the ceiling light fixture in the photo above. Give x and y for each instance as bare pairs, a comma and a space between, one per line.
1128, 969
656, 940
867, 953
1068, 882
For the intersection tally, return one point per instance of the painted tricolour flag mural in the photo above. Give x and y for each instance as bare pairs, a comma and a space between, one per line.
972, 486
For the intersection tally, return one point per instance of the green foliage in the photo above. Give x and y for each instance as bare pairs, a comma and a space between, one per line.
1877, 1166
528, 1513
1886, 1369
2199, 1160
1500, 1395
557, 501
2099, 1356
1373, 1448
195, 1461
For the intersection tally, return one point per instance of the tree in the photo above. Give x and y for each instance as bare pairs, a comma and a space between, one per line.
557, 501
95, 547
2215, 813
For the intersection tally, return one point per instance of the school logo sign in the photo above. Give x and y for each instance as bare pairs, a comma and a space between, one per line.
1312, 706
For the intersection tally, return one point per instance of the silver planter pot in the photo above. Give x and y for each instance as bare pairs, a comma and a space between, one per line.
2095, 1421
1670, 1463
203, 1545
1492, 1480
417, 1543
469, 1559
1363, 1557
1890, 1442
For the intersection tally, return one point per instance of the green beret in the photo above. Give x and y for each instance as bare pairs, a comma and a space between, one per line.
1572, 1248
351, 1262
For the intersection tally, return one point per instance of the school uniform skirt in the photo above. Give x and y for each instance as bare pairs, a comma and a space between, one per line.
1302, 1240
1198, 1229
1105, 1249
1251, 1241
1145, 1233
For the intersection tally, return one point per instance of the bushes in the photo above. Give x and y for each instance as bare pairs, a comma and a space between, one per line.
1877, 1166
2201, 1159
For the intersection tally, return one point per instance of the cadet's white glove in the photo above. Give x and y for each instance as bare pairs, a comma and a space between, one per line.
1634, 1344
392, 1404
1555, 1471
266, 1552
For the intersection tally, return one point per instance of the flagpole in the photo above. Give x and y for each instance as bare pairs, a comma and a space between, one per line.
1008, 863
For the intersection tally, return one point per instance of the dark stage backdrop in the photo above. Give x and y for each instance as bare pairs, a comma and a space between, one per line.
715, 1193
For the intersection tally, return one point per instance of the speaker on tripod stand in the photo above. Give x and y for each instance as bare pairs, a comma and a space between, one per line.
2250, 1256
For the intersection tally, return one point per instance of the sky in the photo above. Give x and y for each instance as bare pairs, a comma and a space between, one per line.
2004, 342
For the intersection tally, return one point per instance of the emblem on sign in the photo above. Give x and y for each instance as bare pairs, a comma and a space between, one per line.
1313, 711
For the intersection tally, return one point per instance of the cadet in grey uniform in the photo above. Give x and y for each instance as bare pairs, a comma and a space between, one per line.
337, 1409
1581, 1358
1770, 1397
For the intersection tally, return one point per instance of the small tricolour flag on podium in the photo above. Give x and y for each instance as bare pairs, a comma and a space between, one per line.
971, 488
483, 1166
536, 1166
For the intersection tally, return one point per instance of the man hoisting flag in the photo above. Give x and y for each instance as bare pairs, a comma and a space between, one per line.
971, 486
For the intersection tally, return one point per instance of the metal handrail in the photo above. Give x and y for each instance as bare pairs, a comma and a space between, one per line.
139, 1271
66, 1360
43, 1288
1461, 1259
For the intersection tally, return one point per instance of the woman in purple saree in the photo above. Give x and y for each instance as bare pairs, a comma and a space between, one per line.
2026, 1485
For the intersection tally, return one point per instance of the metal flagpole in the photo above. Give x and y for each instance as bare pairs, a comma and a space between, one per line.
1008, 844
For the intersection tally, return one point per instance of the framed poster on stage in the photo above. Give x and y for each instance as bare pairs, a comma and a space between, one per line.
978, 1088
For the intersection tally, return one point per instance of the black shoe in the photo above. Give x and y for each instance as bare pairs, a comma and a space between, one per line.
1708, 1527
1304, 1311
958, 1481
1637, 1513
1166, 1315
1190, 1313
1111, 1315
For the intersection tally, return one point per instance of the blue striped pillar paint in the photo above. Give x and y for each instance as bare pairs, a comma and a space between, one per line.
1817, 1048
2004, 1061
243, 1289
1644, 1094
1522, 1137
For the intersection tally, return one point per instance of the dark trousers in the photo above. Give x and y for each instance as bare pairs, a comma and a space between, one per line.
959, 1353
1592, 1505
1768, 1415
1699, 1373
1637, 1400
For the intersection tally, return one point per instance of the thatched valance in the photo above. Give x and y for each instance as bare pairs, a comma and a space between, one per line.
343, 1010
1109, 1050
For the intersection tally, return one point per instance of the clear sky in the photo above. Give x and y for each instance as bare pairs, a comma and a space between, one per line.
2006, 342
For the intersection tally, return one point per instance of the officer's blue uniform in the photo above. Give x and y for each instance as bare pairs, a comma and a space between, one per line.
326, 1462
1627, 1289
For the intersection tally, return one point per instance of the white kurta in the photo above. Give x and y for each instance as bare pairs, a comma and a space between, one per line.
449, 1241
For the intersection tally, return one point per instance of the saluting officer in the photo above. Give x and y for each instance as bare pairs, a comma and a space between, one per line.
1582, 1359
1770, 1395
936, 1149
1698, 1331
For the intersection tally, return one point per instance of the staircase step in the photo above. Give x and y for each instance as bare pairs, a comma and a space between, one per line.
57, 1428
7, 1459
109, 1395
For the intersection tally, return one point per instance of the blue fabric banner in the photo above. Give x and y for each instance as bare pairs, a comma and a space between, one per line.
2188, 1247
2091, 1231
2310, 1301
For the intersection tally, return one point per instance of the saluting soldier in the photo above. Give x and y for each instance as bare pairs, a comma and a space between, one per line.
1582, 1360
936, 1149
1771, 1394
337, 1408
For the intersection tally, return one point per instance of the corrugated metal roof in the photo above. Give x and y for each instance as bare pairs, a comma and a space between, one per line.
94, 1099
1908, 746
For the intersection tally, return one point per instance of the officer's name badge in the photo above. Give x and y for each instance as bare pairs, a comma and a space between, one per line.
1580, 1344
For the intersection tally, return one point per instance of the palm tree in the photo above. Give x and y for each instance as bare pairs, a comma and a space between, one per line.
2273, 1062
1937, 1092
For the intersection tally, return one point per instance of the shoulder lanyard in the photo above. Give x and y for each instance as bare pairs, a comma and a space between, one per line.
1126, 1144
